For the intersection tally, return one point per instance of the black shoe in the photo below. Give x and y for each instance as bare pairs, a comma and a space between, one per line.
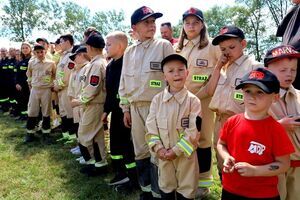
125, 188
91, 170
29, 138
46, 139
120, 178
146, 196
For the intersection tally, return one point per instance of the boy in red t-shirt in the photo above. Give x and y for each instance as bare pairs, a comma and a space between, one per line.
251, 143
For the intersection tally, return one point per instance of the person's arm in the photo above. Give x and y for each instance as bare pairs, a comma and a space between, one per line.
280, 165
228, 160
29, 74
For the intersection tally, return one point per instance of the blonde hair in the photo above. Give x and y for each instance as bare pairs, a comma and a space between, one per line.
120, 36
23, 56
203, 38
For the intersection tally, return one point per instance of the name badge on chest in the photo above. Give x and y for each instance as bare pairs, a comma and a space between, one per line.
185, 121
155, 66
202, 63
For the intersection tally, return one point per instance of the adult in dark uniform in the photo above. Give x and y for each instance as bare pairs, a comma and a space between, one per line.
4, 98
10, 82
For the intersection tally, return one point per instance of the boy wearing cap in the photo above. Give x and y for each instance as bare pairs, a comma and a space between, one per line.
121, 147
173, 133
254, 146
40, 75
202, 56
231, 67
141, 79
64, 68
282, 61
92, 98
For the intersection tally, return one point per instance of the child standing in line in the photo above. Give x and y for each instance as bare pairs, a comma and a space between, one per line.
141, 79
282, 61
173, 134
121, 147
255, 147
202, 56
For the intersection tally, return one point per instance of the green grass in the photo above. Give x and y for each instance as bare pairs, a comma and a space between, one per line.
43, 172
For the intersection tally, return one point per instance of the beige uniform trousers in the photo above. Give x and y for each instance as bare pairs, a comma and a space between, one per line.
180, 174
91, 128
65, 109
139, 112
289, 184
39, 98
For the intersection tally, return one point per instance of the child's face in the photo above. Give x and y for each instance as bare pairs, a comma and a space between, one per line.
25, 49
145, 29
256, 100
192, 27
232, 48
286, 70
175, 73
40, 54
79, 59
112, 47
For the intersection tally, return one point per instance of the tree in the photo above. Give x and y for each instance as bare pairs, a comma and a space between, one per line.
20, 18
278, 9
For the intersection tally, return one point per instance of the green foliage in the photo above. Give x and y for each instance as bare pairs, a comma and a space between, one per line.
177, 29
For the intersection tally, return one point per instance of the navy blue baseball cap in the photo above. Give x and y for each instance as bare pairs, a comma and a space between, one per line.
173, 57
282, 51
38, 47
193, 12
42, 40
143, 13
95, 40
262, 78
228, 32
81, 49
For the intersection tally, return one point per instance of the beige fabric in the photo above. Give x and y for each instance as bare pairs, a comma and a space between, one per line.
171, 124
39, 98
141, 76
64, 104
289, 183
40, 74
226, 98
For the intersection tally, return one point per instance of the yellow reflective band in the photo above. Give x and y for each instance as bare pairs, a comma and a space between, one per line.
24, 113
155, 84
200, 78
4, 67
60, 82
23, 68
15, 70
153, 139
4, 100
205, 183
29, 79
10, 67
118, 96
185, 146
61, 74
46, 131
130, 165
83, 99
238, 96
116, 157
30, 131
47, 79
124, 101
13, 101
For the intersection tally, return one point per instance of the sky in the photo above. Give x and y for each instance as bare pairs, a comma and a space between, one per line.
172, 10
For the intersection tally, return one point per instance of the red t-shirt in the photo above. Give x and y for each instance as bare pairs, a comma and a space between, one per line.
257, 142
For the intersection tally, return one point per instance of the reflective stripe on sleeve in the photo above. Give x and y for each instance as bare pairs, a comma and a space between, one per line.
185, 146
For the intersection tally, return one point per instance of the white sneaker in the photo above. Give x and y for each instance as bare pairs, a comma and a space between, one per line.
76, 152
74, 149
89, 162
102, 163
80, 158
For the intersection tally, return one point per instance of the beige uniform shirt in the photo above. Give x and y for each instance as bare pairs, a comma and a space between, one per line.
171, 122
93, 81
75, 82
201, 63
141, 76
63, 70
289, 105
40, 74
226, 99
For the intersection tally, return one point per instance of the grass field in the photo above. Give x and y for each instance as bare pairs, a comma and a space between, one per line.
43, 172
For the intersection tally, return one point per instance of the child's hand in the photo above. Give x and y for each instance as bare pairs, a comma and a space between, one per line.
289, 122
245, 169
104, 118
170, 155
75, 103
228, 164
222, 61
161, 153
127, 119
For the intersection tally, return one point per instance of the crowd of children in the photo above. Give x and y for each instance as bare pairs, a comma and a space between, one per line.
167, 106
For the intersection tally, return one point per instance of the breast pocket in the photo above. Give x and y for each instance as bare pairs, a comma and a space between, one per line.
129, 82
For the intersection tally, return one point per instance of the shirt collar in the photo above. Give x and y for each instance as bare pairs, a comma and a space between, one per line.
194, 41
240, 60
145, 43
68, 51
179, 96
290, 90
96, 57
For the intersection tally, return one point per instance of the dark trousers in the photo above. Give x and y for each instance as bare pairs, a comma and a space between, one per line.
22, 98
230, 196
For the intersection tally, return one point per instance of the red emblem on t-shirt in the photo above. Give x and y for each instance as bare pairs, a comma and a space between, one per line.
71, 65
256, 75
146, 10
94, 80
223, 30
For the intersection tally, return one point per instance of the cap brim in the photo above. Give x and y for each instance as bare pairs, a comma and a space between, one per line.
72, 56
258, 84
192, 15
173, 57
220, 38
267, 61
155, 15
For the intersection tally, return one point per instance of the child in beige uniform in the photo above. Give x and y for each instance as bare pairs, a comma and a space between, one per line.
172, 132
40, 74
282, 61
141, 79
231, 67
91, 98
202, 57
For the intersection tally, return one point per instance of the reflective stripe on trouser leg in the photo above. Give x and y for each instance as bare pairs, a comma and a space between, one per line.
143, 169
205, 163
